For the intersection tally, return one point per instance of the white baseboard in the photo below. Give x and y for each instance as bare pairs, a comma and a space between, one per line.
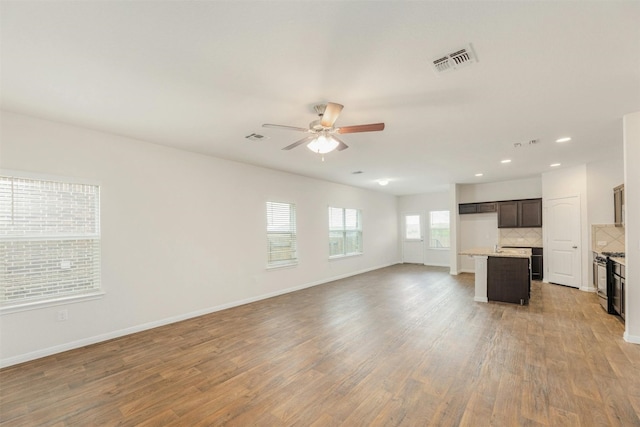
481, 299
467, 270
162, 322
633, 339
588, 289
436, 265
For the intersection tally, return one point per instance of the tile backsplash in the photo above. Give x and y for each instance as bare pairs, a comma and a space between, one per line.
520, 237
607, 238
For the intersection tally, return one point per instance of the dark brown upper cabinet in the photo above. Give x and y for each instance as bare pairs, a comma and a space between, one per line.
508, 214
467, 208
471, 208
520, 213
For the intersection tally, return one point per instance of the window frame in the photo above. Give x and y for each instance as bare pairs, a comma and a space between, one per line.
95, 272
406, 228
344, 230
293, 239
431, 228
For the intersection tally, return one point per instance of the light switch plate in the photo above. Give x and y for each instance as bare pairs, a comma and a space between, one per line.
602, 243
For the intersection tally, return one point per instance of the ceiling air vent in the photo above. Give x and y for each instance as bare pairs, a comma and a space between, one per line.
454, 60
256, 137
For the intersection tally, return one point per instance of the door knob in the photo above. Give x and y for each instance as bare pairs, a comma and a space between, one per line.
574, 247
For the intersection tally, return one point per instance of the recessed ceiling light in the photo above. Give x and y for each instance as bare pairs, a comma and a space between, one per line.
383, 182
555, 165
565, 139
505, 161
479, 174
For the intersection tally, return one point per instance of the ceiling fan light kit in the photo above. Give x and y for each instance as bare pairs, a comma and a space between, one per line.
323, 144
323, 139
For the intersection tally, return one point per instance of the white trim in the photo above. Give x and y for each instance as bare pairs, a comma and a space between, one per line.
46, 237
633, 339
48, 177
34, 305
435, 265
481, 299
281, 266
150, 325
331, 258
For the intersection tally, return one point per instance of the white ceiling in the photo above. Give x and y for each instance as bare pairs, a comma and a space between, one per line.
202, 75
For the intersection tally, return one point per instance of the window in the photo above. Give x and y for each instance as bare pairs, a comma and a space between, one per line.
345, 232
439, 229
412, 227
282, 249
49, 240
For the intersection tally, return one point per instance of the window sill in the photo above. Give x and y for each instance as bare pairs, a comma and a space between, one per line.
344, 256
35, 305
279, 267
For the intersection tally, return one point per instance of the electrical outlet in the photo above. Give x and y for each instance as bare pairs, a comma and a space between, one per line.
602, 243
66, 264
520, 239
63, 315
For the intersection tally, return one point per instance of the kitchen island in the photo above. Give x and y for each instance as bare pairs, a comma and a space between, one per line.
502, 274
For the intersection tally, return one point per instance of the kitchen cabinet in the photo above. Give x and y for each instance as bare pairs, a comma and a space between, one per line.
471, 208
487, 207
520, 213
618, 205
508, 279
536, 261
467, 208
508, 214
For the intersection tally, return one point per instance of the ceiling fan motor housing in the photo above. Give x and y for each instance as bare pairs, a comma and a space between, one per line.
316, 126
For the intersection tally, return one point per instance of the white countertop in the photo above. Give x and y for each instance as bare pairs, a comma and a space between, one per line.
502, 252
619, 260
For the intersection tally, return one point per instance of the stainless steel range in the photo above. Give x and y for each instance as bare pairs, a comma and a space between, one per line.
601, 278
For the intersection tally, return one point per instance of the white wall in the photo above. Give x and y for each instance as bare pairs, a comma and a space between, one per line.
481, 230
423, 204
632, 225
602, 177
182, 234
476, 231
527, 188
564, 183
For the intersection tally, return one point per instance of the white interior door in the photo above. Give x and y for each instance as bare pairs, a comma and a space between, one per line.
562, 225
413, 239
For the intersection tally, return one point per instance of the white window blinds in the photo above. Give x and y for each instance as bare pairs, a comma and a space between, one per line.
282, 247
49, 240
345, 232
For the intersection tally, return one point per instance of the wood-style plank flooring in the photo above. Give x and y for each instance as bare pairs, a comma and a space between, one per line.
404, 345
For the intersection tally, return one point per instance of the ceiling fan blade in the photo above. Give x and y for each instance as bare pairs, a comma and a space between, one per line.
269, 125
300, 142
373, 127
341, 144
330, 115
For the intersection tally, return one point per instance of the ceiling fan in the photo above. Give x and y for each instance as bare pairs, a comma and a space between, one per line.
322, 138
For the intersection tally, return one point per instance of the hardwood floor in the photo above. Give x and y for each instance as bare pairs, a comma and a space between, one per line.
404, 345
